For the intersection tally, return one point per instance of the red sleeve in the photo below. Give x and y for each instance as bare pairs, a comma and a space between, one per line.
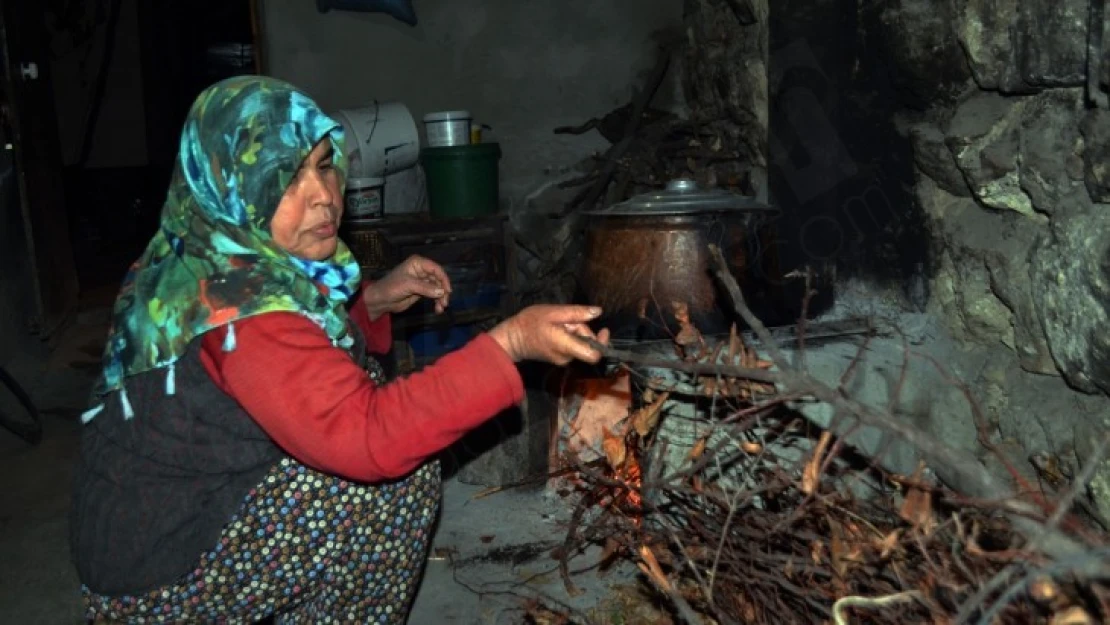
378, 333
322, 408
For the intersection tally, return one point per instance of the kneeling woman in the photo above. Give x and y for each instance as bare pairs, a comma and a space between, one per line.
244, 456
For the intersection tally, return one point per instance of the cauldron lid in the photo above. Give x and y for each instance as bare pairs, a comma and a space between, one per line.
682, 196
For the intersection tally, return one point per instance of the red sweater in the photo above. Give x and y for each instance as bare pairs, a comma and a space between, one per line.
323, 409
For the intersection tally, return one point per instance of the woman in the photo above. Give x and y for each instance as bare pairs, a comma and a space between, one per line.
244, 457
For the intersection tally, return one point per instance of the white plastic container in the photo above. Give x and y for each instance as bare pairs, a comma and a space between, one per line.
381, 139
406, 192
364, 199
447, 128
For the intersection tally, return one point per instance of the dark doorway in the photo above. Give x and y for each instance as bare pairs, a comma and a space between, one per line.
28, 106
173, 51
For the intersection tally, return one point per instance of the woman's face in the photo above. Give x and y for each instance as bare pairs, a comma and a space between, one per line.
306, 223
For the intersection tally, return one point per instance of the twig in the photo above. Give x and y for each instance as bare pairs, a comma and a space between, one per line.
850, 371
665, 585
574, 182
1050, 525
613, 155
695, 368
578, 130
569, 543
733, 505
742, 309
896, 394
982, 431
870, 603
804, 318
956, 467
794, 555
1075, 564
535, 595
1078, 486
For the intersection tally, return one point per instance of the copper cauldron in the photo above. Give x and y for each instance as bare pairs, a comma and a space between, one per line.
650, 254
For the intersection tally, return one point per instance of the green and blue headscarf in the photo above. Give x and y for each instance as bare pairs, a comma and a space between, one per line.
212, 260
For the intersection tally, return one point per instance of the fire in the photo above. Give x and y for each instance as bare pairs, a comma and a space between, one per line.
588, 407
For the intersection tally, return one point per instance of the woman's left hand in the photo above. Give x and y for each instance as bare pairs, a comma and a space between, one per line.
413, 279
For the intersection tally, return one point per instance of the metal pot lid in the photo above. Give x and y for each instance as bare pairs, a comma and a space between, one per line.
682, 196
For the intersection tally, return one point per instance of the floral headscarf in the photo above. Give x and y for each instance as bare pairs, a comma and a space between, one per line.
213, 260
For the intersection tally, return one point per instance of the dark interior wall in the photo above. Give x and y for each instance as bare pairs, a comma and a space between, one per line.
524, 68
109, 119
15, 278
163, 54
840, 170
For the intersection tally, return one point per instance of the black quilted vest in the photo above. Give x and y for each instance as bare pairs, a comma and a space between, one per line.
152, 494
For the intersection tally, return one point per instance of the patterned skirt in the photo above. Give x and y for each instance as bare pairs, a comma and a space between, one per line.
305, 547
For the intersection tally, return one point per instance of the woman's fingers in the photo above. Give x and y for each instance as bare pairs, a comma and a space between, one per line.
574, 320
577, 347
425, 269
430, 271
553, 334
425, 288
580, 329
574, 347
573, 314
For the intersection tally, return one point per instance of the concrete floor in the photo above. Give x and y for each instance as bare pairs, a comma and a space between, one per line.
498, 546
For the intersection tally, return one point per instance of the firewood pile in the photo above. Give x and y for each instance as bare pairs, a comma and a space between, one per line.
721, 139
655, 147
772, 519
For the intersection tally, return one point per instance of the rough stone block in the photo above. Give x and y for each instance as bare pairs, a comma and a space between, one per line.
921, 43
1052, 43
1051, 165
1010, 283
1023, 47
986, 29
984, 137
935, 160
1096, 154
1070, 267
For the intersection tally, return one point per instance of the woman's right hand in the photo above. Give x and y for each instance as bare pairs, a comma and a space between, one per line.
550, 334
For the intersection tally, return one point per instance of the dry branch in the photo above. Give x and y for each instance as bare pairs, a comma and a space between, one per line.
959, 469
759, 521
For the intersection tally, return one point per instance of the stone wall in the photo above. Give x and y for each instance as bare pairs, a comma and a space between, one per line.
1012, 173
1000, 108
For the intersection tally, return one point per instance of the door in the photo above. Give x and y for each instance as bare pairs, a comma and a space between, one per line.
33, 127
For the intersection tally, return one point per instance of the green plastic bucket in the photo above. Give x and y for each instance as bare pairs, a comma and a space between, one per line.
462, 180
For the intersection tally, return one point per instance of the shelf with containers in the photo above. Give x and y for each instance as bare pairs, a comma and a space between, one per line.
475, 252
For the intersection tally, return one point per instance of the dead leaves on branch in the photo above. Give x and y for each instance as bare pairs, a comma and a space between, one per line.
741, 355
645, 419
811, 474
649, 565
616, 452
917, 505
792, 543
688, 337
